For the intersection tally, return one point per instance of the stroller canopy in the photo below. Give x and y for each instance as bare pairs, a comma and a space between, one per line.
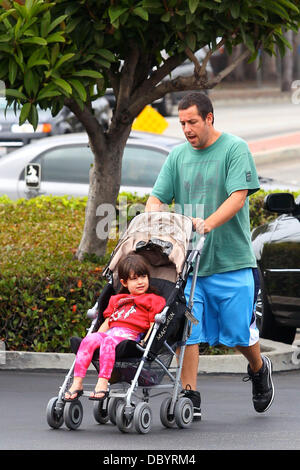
163, 238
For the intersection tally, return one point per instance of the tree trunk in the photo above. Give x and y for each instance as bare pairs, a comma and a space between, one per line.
100, 209
287, 65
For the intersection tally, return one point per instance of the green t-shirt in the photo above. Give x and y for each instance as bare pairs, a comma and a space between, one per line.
199, 181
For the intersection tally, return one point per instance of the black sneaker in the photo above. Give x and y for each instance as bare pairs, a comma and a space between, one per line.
262, 386
195, 397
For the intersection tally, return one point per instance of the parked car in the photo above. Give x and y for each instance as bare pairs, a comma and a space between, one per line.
277, 249
13, 135
62, 164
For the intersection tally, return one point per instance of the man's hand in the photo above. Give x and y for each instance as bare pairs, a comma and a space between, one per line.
200, 225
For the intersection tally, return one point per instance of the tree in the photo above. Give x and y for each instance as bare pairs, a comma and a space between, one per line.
287, 65
55, 53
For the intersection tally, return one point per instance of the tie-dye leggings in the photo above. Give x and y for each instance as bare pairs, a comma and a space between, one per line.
107, 342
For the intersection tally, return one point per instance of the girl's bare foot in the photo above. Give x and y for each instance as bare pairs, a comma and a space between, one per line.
75, 390
100, 389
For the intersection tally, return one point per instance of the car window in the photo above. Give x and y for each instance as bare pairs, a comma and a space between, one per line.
141, 165
71, 164
66, 164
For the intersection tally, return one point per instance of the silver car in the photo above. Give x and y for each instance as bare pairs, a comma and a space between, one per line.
60, 165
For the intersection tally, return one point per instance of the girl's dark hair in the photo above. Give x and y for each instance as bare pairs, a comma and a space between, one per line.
134, 263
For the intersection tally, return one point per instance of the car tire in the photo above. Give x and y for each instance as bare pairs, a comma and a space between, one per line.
266, 322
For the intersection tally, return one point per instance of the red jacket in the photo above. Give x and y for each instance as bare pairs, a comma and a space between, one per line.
133, 311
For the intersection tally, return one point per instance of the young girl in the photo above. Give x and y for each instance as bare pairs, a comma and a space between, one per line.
129, 313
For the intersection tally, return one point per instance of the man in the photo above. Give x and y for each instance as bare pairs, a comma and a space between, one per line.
215, 171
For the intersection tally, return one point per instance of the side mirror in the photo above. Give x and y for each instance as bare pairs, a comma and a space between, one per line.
33, 176
281, 203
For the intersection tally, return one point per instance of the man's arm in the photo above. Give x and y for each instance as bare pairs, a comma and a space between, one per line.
224, 213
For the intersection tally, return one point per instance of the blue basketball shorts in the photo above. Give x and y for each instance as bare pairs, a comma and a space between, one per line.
224, 306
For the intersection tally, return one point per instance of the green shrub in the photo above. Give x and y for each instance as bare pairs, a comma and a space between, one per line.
44, 291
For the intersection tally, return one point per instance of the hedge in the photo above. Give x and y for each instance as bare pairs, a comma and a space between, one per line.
44, 291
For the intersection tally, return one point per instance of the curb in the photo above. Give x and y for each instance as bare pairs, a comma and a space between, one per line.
283, 356
266, 157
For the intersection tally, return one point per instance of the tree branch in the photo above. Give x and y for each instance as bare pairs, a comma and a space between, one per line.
181, 84
218, 78
89, 122
127, 78
208, 56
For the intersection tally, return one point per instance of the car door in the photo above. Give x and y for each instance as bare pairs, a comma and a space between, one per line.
141, 165
280, 263
64, 171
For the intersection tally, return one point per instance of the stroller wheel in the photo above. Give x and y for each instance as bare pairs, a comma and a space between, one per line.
124, 418
166, 418
100, 412
55, 418
112, 408
184, 412
73, 414
142, 418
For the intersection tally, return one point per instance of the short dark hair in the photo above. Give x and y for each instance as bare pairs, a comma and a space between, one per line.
199, 99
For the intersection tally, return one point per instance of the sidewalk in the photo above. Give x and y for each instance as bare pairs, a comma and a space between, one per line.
284, 357
231, 92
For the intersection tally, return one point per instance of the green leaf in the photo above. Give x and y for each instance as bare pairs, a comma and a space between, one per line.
47, 92
12, 70
115, 12
191, 41
289, 4
55, 37
79, 88
141, 12
60, 82
106, 54
235, 9
9, 92
54, 53
71, 25
33, 116
56, 22
24, 113
34, 40
88, 73
64, 59
193, 5
166, 17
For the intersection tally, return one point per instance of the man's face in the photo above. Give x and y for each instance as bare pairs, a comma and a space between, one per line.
196, 130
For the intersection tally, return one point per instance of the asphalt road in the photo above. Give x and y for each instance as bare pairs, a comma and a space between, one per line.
229, 420
254, 121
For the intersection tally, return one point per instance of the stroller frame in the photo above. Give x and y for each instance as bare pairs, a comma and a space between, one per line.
120, 410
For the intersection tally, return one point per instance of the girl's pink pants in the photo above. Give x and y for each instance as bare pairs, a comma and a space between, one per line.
107, 342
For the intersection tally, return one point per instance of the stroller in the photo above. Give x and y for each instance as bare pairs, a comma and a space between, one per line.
164, 240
